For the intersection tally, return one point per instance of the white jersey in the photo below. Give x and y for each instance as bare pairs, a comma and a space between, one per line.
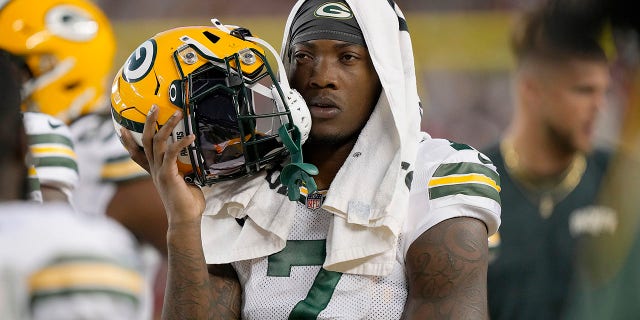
53, 158
103, 163
451, 180
57, 264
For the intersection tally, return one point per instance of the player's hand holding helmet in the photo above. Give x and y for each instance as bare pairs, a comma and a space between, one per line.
244, 119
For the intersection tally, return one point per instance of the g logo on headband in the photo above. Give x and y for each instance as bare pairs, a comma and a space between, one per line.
140, 62
333, 10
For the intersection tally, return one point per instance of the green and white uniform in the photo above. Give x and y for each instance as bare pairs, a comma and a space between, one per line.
103, 162
451, 180
57, 264
52, 155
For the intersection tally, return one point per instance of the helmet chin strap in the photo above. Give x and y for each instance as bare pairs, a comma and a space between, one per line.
297, 173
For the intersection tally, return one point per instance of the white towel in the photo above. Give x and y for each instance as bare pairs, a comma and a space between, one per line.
225, 240
369, 208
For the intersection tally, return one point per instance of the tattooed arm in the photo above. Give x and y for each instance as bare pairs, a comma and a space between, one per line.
195, 290
187, 293
226, 292
447, 272
192, 292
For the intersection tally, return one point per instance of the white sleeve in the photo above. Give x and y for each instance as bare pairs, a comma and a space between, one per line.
462, 182
52, 152
64, 265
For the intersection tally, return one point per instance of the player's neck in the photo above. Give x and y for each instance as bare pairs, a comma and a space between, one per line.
539, 166
328, 158
545, 191
537, 156
16, 178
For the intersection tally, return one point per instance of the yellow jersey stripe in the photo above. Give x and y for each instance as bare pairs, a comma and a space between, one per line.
120, 170
53, 150
467, 178
86, 275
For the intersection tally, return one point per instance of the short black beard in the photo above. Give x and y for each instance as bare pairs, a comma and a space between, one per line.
562, 141
334, 140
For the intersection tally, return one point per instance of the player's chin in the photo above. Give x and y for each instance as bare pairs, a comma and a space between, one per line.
585, 145
327, 136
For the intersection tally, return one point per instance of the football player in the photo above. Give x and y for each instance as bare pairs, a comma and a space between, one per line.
398, 225
54, 174
54, 263
551, 172
66, 50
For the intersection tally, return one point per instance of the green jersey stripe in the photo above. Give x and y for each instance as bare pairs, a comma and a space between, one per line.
50, 139
41, 296
318, 296
448, 169
469, 189
56, 162
33, 183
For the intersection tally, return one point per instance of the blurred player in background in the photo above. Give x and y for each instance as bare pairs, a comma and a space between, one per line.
54, 173
609, 271
66, 50
549, 170
55, 264
53, 170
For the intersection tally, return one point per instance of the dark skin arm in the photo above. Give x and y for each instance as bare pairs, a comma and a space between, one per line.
194, 290
52, 194
137, 206
225, 291
447, 272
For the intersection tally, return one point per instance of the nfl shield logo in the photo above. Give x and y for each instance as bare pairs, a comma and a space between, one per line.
314, 200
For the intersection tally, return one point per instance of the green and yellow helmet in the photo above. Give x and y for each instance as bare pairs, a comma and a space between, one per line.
67, 48
243, 117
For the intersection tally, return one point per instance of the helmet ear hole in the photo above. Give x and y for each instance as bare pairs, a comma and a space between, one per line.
72, 85
176, 93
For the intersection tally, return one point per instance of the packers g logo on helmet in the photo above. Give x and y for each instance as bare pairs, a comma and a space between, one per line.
243, 118
140, 62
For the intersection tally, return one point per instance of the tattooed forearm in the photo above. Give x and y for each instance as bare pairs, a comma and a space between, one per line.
447, 270
187, 292
226, 293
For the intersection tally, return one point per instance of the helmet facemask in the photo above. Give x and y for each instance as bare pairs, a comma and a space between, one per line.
234, 136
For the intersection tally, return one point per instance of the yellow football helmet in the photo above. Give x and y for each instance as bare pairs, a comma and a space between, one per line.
67, 48
243, 117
